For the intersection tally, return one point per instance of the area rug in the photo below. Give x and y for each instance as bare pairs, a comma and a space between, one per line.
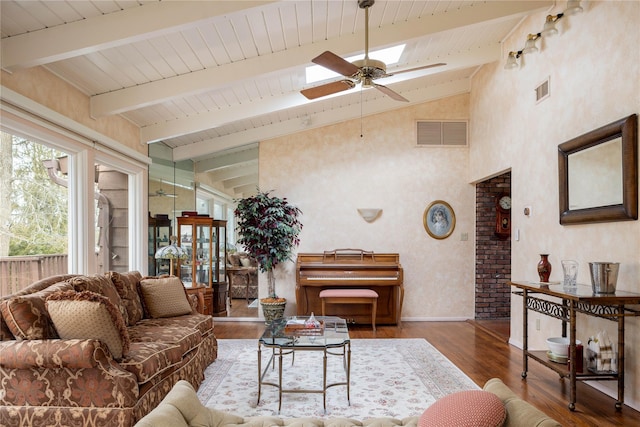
389, 378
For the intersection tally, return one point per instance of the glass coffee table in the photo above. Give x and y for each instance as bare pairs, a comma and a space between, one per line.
286, 336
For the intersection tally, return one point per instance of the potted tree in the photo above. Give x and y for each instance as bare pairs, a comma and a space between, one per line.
268, 227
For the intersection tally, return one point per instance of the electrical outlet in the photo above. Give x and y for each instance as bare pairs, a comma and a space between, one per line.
537, 324
464, 237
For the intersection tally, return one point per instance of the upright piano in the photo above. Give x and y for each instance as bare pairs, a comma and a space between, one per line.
350, 268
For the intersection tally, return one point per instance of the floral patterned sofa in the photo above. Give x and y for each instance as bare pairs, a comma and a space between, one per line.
99, 350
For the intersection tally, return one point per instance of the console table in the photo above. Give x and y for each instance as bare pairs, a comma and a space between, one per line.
564, 304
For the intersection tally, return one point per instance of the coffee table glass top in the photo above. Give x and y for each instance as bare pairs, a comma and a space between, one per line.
335, 333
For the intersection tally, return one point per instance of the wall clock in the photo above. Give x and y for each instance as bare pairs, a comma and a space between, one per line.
503, 216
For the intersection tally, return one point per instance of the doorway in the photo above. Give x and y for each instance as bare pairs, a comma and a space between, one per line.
493, 253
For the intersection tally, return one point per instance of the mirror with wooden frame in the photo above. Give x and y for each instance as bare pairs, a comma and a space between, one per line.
598, 174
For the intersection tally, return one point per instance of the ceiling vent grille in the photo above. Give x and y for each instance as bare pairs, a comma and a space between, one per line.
542, 91
437, 134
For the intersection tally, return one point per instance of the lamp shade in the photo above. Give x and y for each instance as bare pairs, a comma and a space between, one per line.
511, 61
171, 252
573, 7
530, 45
549, 28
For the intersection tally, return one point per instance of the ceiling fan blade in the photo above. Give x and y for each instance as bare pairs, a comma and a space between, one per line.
390, 93
335, 63
424, 67
162, 193
327, 89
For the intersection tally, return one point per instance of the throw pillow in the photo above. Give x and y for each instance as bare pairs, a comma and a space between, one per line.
87, 315
234, 259
164, 297
472, 408
26, 315
245, 261
127, 286
100, 285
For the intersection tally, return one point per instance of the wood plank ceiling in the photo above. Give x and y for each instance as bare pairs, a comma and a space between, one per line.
210, 79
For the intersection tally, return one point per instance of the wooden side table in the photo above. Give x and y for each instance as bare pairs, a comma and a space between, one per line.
564, 305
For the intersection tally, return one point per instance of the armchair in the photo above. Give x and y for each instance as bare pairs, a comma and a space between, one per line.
242, 272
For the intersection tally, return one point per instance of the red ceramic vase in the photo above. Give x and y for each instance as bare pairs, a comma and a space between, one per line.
544, 268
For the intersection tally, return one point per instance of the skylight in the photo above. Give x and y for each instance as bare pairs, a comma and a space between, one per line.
389, 56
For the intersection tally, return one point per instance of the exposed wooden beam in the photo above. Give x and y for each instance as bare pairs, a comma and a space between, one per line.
226, 159
216, 118
423, 94
110, 30
234, 172
251, 179
245, 190
208, 79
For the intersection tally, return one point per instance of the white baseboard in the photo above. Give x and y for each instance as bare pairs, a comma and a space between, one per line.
406, 319
611, 393
436, 319
237, 319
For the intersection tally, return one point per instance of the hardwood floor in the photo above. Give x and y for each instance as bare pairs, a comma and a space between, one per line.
240, 308
481, 351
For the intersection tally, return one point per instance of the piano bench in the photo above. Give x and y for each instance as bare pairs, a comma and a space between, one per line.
351, 296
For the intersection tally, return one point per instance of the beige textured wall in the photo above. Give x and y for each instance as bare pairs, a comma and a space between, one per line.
43, 87
331, 172
593, 64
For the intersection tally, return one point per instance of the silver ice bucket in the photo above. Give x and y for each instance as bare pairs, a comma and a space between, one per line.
604, 276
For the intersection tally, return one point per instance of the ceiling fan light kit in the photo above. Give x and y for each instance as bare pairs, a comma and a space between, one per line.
362, 71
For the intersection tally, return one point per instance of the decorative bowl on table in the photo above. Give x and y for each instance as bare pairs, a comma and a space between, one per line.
556, 358
559, 346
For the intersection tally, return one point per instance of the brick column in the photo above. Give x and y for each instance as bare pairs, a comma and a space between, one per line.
493, 254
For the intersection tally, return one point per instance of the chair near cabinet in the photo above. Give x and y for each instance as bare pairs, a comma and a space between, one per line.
242, 272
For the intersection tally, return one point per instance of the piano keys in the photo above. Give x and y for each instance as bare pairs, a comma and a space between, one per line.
350, 268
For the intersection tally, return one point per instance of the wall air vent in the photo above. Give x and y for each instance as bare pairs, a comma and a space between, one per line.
441, 133
542, 91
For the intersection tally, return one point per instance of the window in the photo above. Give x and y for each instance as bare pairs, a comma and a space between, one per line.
219, 206
105, 196
35, 220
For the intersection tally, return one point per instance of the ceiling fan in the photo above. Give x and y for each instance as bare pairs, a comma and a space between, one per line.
161, 193
363, 71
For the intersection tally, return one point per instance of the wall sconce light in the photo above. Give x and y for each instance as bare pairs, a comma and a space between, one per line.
549, 29
369, 214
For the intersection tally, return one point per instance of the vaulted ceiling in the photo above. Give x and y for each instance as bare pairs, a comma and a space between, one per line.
210, 79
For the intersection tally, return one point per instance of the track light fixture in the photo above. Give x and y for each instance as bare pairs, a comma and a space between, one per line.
573, 7
530, 44
512, 60
549, 29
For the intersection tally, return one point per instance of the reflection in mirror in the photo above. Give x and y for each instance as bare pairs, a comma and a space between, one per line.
603, 163
171, 185
598, 174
